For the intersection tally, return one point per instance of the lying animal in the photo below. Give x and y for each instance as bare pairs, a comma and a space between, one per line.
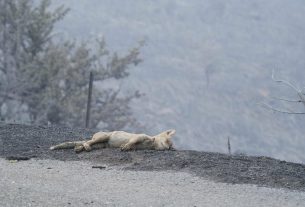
123, 140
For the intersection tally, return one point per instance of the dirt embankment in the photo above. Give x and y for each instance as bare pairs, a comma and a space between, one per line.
23, 142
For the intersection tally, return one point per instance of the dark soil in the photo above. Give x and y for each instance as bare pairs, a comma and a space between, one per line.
23, 142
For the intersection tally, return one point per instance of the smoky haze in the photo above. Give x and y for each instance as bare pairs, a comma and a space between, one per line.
206, 67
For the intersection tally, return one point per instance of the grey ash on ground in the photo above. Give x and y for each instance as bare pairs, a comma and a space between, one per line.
25, 141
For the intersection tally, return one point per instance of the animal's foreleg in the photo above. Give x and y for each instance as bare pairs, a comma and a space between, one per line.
132, 142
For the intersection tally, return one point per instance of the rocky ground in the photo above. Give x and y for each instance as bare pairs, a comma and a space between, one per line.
22, 142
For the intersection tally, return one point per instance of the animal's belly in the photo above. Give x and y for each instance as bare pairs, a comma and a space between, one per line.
147, 144
117, 141
119, 138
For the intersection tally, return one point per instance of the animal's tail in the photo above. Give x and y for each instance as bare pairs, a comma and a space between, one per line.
77, 145
67, 145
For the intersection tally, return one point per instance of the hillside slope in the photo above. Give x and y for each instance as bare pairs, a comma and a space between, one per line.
206, 66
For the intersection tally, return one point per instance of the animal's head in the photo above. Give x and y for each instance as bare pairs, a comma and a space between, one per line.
163, 141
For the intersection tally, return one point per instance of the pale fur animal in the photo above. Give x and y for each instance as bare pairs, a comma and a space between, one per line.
123, 140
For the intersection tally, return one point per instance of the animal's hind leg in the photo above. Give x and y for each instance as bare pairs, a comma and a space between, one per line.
98, 137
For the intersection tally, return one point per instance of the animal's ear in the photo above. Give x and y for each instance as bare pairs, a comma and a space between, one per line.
170, 132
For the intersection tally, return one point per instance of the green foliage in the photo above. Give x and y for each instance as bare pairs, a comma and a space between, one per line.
48, 79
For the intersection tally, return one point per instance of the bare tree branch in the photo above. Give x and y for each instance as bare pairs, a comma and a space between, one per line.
285, 82
284, 99
279, 110
299, 93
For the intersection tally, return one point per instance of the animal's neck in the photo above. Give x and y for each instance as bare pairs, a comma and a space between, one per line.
159, 136
158, 140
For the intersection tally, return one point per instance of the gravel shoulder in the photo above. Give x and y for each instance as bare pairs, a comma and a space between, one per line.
22, 142
75, 183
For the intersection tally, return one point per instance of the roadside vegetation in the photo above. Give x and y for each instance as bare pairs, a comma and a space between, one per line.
44, 78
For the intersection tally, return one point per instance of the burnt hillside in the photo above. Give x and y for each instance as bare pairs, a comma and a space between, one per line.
23, 142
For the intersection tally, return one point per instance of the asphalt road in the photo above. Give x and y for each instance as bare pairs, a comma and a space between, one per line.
76, 183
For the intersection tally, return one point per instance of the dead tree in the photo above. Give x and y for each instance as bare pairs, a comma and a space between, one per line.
299, 92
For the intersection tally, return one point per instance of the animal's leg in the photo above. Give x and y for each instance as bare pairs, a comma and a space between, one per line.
132, 142
96, 138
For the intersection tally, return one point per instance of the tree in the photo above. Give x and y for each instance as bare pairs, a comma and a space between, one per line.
300, 93
48, 78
